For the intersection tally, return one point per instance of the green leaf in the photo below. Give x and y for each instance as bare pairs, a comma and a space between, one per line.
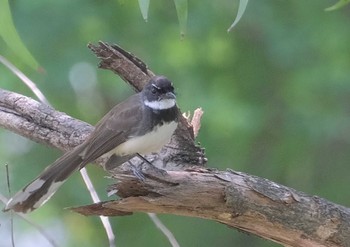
9, 34
338, 5
144, 4
182, 11
241, 8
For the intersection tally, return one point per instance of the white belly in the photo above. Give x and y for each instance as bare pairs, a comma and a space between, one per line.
148, 143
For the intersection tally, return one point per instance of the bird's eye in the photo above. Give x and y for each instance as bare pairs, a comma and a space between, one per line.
153, 90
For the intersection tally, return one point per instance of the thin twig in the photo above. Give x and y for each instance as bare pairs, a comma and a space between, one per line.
4, 200
11, 217
25, 79
164, 229
96, 199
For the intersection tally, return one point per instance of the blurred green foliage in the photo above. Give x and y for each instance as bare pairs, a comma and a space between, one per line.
11, 37
275, 92
338, 5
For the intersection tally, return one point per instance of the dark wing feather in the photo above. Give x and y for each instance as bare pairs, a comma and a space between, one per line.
114, 128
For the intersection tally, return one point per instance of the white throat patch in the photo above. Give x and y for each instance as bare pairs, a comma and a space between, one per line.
161, 105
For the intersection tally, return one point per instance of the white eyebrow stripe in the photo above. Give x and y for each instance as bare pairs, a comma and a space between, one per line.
154, 85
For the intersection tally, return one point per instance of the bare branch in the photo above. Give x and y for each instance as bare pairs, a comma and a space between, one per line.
9, 190
163, 229
95, 198
4, 200
126, 65
40, 123
239, 200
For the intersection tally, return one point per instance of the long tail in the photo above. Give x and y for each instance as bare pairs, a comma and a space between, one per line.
47, 183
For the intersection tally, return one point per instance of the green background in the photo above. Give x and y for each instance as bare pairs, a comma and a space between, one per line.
275, 92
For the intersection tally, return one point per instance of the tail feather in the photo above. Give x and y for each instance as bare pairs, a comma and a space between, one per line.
47, 183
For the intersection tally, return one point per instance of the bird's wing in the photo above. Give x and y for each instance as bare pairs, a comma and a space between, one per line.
113, 129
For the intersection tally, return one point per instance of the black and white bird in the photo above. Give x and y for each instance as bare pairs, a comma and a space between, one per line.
140, 125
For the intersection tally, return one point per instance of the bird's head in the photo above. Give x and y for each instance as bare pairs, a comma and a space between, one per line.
159, 93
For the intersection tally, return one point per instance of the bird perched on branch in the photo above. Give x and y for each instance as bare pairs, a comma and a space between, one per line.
140, 125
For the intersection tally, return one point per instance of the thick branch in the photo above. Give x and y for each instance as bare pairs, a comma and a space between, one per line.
40, 123
239, 200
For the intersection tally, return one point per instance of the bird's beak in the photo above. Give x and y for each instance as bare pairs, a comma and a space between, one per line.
169, 95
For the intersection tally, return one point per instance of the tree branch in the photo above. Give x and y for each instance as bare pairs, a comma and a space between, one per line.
40, 123
245, 202
239, 200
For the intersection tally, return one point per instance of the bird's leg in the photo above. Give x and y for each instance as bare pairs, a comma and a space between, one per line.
144, 159
136, 171
152, 167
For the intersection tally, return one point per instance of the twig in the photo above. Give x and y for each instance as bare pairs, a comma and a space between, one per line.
4, 200
164, 229
96, 199
25, 79
9, 190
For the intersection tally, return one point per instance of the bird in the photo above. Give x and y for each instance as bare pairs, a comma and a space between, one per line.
140, 125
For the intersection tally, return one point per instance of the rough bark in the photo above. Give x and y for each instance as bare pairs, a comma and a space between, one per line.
239, 200
40, 123
245, 202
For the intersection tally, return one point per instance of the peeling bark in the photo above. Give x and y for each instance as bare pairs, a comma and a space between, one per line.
251, 204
